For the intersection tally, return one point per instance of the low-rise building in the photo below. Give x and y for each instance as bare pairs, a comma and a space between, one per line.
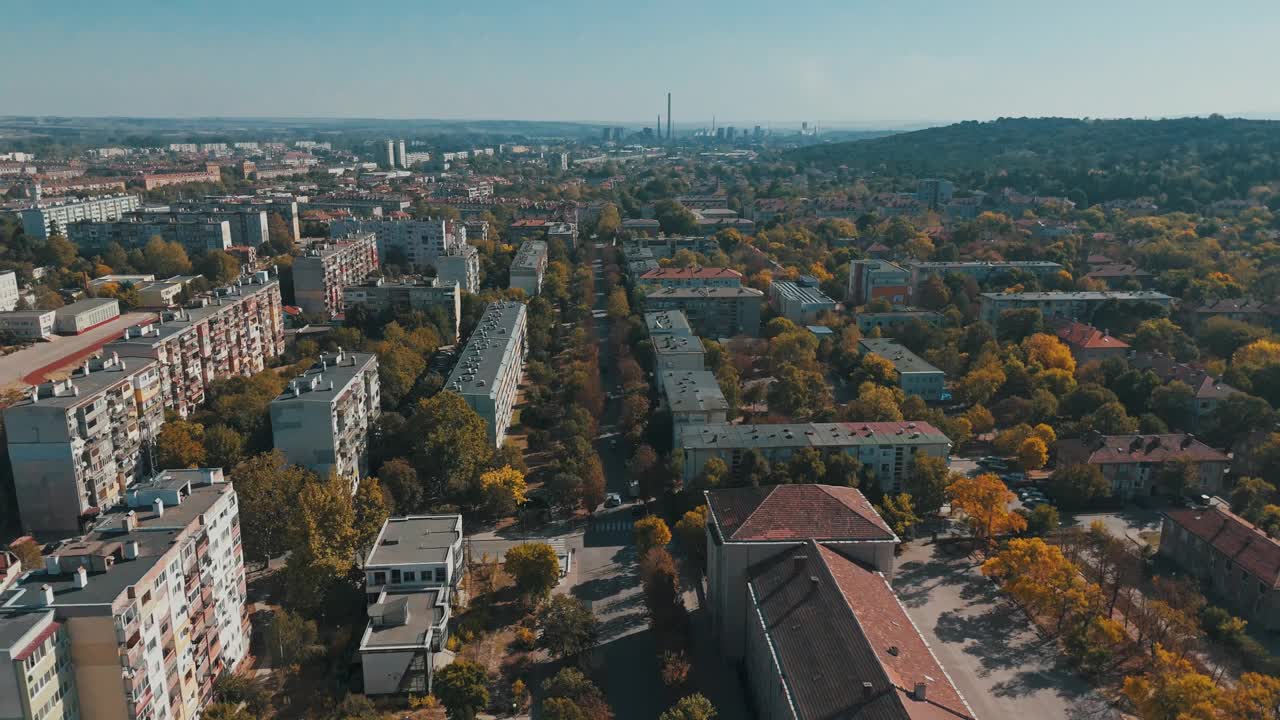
875, 279
28, 324
1133, 462
1238, 562
916, 376
151, 600
1077, 305
460, 266
801, 301
85, 315
1119, 275
1089, 344
324, 269
886, 449
692, 277
75, 445
529, 266
889, 321
713, 312
45, 219
1207, 391
488, 370
379, 295
693, 397
641, 226
410, 577
1244, 310
211, 174
323, 418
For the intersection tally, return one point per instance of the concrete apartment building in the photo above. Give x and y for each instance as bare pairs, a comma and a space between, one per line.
85, 315
529, 266
212, 173
667, 322
801, 301
151, 599
197, 235
487, 374
1072, 305
322, 419
28, 324
693, 397
45, 219
76, 444
416, 243
232, 331
248, 226
1237, 560
979, 270
713, 312
874, 279
410, 576
886, 449
692, 277
284, 206
8, 291
460, 266
36, 676
678, 352
427, 295
916, 376
324, 269
1132, 462
890, 321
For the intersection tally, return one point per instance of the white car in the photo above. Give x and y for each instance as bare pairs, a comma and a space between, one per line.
612, 500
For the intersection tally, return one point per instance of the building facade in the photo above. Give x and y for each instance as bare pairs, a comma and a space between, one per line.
37, 680
197, 235
1133, 462
980, 270
323, 418
45, 219
916, 376
320, 275
875, 279
529, 266
488, 370
8, 291
1071, 305
712, 312
800, 302
460, 266
415, 243
84, 315
28, 325
692, 277
379, 295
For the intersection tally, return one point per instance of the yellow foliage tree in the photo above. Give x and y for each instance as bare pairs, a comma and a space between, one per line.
984, 501
1032, 453
651, 532
1048, 352
504, 489
1173, 690
1257, 354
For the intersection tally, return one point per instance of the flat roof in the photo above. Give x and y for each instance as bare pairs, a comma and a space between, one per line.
415, 539
85, 305
1081, 295
403, 618
668, 322
729, 435
176, 321
904, 361
727, 293
327, 378
974, 264
530, 255
17, 627
487, 350
803, 293
671, 343
692, 390
80, 387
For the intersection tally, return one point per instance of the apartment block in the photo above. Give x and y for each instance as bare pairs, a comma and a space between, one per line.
487, 374
899, 317
429, 295
712, 312
249, 226
693, 397
800, 301
197, 235
460, 266
412, 244
410, 575
979, 270
885, 449
1132, 462
150, 599
232, 331
8, 291
916, 376
211, 174
321, 273
45, 219
1070, 305
529, 266
284, 206
673, 351
692, 277
37, 680
874, 279
322, 419
77, 444
667, 322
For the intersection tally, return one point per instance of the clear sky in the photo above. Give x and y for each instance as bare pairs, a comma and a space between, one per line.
833, 61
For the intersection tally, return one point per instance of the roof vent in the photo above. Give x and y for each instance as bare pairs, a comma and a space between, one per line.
80, 578
893, 650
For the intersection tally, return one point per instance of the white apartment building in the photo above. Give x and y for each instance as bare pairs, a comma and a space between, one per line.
320, 274
415, 243
8, 291
799, 302
529, 266
43, 219
487, 374
150, 599
380, 295
85, 315
77, 444
323, 418
460, 266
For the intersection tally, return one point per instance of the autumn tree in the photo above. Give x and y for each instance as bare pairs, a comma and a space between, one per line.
323, 544
1172, 690
660, 582
651, 532
462, 687
534, 567
577, 696
1032, 453
180, 444
984, 502
567, 627
897, 511
690, 707
927, 480
1048, 353
692, 530
451, 447
369, 512
223, 446
503, 490
266, 485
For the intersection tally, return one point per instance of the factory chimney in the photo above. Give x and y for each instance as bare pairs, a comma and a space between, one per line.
668, 116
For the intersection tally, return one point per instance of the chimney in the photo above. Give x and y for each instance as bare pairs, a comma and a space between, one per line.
798, 561
46, 595
131, 550
867, 689
157, 506
131, 521
51, 566
81, 577
922, 690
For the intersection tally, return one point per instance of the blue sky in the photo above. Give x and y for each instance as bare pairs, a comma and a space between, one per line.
832, 61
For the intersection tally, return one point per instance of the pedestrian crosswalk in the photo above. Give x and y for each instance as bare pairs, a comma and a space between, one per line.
612, 525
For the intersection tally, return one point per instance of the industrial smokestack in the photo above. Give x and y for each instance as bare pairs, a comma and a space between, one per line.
668, 116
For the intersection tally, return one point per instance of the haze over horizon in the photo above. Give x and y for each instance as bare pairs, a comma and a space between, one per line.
842, 64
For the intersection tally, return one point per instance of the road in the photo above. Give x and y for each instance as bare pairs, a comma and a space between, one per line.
62, 351
1003, 668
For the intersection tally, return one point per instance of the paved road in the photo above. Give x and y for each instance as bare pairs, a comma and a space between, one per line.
1003, 669
14, 367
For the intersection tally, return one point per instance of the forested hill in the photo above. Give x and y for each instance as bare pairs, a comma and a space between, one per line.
1200, 159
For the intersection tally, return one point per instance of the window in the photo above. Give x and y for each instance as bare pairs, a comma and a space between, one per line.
440, 574
409, 576
379, 578
395, 577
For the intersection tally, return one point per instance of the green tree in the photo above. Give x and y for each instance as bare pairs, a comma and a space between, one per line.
897, 510
223, 446
293, 639
690, 707
1179, 477
571, 685
226, 711
534, 567
399, 478
219, 267
1042, 519
927, 481
1015, 325
1249, 496
714, 472
661, 584
180, 444
266, 486
567, 627
165, 258
1075, 486
674, 218
692, 531
451, 448
58, 251
323, 545
370, 511
279, 237
462, 688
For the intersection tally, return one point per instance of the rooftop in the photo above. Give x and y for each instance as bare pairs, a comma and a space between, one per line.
173, 322
974, 264
704, 292
672, 343
92, 377
904, 361
415, 539
1116, 270
488, 350
1100, 295
532, 255
328, 377
794, 512
806, 294
1152, 448
1234, 537
689, 273
20, 630
729, 435
403, 618
692, 391
1081, 336
668, 322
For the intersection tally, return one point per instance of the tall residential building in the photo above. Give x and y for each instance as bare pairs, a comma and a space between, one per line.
248, 225
37, 679
934, 192
528, 267
379, 295
885, 449
44, 219
460, 266
8, 291
389, 156
77, 444
873, 279
321, 273
232, 331
284, 206
197, 235
411, 244
487, 374
410, 576
402, 158
1071, 305
151, 600
322, 419
713, 312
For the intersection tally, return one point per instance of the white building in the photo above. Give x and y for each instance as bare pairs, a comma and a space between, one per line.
487, 374
416, 243
799, 302
44, 219
529, 266
8, 291
29, 325
80, 316
461, 266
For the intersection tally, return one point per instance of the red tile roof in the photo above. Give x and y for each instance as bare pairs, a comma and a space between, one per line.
1087, 337
701, 273
1111, 449
1234, 537
795, 512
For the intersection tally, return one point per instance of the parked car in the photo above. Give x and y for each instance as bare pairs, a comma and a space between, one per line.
1014, 477
612, 500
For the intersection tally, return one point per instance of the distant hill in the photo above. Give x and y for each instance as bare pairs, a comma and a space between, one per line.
1193, 159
